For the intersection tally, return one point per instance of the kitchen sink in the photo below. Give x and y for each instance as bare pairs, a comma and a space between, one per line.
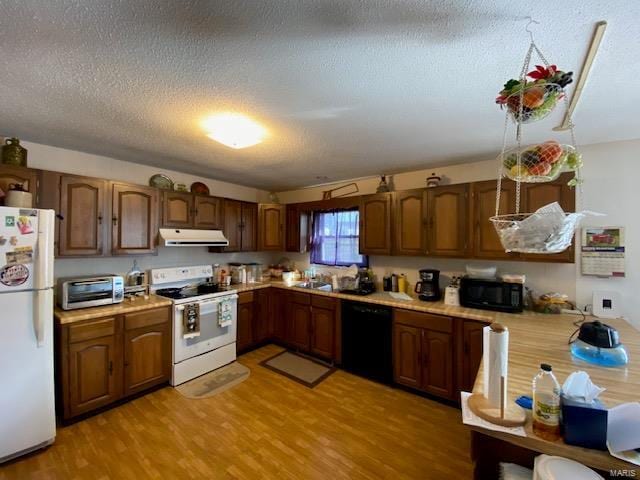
315, 285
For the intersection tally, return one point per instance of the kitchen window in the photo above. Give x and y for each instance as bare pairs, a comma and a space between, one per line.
335, 239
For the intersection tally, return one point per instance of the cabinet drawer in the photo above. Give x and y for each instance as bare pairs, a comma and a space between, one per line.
245, 297
323, 302
103, 327
436, 323
300, 298
146, 318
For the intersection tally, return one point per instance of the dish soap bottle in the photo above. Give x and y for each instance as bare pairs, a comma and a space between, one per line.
546, 404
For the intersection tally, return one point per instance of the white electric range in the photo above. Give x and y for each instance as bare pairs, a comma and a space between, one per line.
212, 344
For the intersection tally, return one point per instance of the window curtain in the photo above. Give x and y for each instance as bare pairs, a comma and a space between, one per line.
335, 238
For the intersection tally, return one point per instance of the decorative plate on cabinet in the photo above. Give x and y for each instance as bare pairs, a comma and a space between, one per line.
199, 188
161, 181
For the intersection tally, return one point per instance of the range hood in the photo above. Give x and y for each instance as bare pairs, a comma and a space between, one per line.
178, 237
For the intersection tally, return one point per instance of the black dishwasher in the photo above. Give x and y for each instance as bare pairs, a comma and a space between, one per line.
366, 340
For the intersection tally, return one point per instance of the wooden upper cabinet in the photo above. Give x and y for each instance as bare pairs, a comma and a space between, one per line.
26, 177
249, 224
232, 216
271, 227
536, 195
375, 224
448, 220
84, 225
486, 243
409, 217
297, 229
208, 213
134, 219
407, 348
177, 209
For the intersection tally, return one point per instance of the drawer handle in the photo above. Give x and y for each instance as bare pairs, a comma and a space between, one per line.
110, 367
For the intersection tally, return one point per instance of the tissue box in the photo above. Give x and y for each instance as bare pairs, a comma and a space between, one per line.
584, 425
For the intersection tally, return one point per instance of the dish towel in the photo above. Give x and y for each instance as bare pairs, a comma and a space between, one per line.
225, 313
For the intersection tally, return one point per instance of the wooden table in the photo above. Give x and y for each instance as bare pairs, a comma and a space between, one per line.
535, 339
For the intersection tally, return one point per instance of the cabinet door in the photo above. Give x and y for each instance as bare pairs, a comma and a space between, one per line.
271, 220
297, 229
261, 316
232, 224
409, 217
299, 325
95, 376
280, 314
147, 349
83, 209
536, 195
322, 331
486, 243
407, 348
177, 209
437, 366
26, 177
245, 326
208, 213
472, 352
135, 219
375, 224
249, 224
448, 220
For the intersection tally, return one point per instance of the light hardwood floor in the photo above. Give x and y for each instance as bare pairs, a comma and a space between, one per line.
266, 427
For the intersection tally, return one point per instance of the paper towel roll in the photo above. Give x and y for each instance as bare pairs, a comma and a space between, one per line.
495, 359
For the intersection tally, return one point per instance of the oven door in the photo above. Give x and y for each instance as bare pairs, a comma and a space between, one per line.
212, 335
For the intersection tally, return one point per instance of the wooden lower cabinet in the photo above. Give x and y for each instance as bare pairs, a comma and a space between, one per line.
147, 350
407, 345
94, 366
322, 327
471, 353
103, 360
299, 326
262, 325
423, 354
244, 332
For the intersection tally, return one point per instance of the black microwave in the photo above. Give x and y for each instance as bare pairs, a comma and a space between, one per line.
491, 295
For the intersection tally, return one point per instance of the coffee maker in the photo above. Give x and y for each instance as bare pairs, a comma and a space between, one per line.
428, 288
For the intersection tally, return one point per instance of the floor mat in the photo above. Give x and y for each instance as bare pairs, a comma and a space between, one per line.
296, 367
215, 382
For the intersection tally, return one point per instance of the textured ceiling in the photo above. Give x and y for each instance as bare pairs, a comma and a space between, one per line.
347, 88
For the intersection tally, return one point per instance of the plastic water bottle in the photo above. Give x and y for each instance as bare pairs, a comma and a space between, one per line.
546, 404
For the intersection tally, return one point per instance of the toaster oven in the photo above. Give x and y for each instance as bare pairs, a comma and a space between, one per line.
491, 295
83, 292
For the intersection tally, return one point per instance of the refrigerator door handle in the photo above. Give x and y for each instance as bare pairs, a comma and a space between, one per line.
43, 265
39, 313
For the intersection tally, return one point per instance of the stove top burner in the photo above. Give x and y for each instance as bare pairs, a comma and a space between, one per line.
181, 293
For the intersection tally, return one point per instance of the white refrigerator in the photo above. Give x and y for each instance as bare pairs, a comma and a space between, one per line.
27, 413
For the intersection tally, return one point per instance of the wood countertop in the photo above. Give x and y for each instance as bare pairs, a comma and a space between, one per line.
543, 339
64, 317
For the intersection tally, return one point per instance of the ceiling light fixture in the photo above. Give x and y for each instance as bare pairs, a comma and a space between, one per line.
234, 130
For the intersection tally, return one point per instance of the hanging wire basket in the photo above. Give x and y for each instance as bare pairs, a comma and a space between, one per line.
538, 100
538, 163
548, 230
529, 98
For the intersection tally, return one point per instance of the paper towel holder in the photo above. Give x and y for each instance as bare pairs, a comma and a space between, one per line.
505, 415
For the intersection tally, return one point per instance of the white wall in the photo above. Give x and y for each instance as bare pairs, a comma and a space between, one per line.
612, 186
70, 161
